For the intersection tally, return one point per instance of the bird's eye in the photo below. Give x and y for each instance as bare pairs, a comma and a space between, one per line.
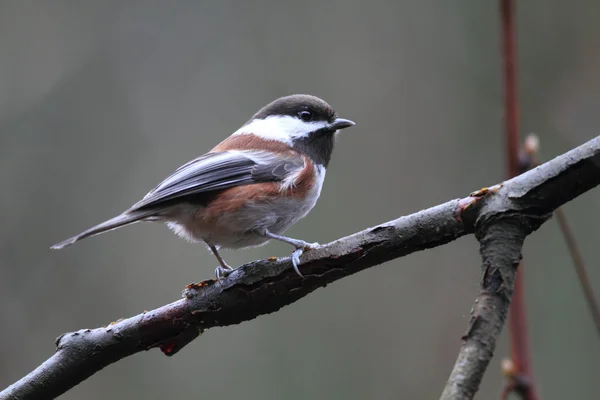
306, 116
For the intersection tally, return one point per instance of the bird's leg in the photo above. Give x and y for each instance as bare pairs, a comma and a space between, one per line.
300, 245
223, 269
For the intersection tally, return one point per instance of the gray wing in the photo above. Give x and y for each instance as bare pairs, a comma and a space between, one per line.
221, 170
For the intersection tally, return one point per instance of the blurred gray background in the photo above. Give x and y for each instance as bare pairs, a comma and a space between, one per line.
99, 100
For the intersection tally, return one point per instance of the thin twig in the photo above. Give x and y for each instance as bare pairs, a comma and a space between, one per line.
511, 110
519, 341
579, 265
506, 391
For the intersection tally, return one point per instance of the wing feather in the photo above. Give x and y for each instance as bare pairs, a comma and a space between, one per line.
222, 170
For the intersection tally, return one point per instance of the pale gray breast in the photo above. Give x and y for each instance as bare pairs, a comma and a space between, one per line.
297, 208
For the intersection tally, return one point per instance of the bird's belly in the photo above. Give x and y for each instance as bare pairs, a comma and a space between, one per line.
239, 229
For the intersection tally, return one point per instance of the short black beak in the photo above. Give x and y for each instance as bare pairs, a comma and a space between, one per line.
341, 123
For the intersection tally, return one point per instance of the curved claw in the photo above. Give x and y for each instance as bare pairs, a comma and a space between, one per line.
221, 272
298, 253
296, 261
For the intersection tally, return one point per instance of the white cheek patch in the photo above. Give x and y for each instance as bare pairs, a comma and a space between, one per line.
282, 128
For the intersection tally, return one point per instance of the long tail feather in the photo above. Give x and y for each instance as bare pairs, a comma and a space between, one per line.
113, 223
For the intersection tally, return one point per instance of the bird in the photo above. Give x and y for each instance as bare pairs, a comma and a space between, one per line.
250, 188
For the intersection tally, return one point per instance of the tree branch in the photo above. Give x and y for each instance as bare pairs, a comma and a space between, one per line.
501, 230
501, 217
501, 243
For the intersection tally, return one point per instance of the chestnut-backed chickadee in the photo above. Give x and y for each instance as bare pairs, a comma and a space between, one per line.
251, 187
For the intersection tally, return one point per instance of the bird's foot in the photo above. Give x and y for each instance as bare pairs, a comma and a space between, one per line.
222, 272
302, 247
